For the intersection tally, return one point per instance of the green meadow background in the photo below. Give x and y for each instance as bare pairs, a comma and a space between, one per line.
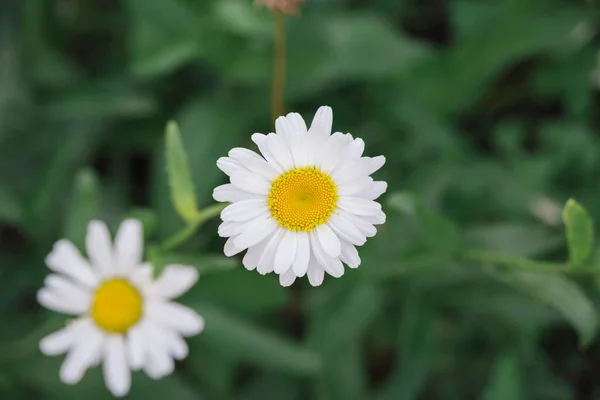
487, 113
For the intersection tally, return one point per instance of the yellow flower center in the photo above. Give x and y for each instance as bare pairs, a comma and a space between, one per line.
302, 198
117, 306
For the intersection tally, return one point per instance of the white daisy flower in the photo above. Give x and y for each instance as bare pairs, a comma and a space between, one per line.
305, 204
125, 319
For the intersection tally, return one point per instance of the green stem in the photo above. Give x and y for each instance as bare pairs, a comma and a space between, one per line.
188, 231
487, 257
277, 95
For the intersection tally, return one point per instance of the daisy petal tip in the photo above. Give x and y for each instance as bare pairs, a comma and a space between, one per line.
286, 282
186, 273
257, 137
95, 225
315, 284
196, 325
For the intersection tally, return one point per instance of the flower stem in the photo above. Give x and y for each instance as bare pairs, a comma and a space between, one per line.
277, 95
188, 231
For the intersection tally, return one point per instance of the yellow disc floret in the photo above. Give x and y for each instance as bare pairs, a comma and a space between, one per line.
303, 198
117, 306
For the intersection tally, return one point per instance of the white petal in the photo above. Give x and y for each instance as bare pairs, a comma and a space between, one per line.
230, 249
135, 347
350, 167
364, 226
376, 190
99, 249
333, 266
229, 166
158, 363
261, 141
329, 241
251, 182
253, 162
299, 151
55, 302
280, 151
266, 262
230, 228
244, 210
284, 129
352, 154
297, 122
66, 259
173, 315
178, 348
300, 265
129, 244
290, 126
372, 164
256, 231
167, 339
315, 273
334, 150
253, 254
117, 375
346, 230
174, 281
347, 173
355, 149
376, 219
60, 341
67, 290
82, 354
286, 252
322, 122
230, 193
358, 206
350, 255
356, 187
142, 275
286, 279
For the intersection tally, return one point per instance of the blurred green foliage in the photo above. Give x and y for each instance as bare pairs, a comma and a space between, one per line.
487, 112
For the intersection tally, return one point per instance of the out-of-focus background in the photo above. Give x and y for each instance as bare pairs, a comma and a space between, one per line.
487, 112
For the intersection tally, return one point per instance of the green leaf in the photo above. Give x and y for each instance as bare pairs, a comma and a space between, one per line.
437, 231
558, 292
183, 193
253, 344
210, 115
416, 346
337, 326
330, 50
84, 207
580, 233
344, 374
148, 218
518, 239
271, 386
75, 145
99, 100
205, 263
237, 289
164, 35
506, 382
10, 208
214, 372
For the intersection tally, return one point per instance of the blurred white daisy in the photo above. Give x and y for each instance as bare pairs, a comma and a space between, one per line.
305, 204
125, 319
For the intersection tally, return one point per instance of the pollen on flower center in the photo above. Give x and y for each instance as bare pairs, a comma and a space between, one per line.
117, 306
303, 198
